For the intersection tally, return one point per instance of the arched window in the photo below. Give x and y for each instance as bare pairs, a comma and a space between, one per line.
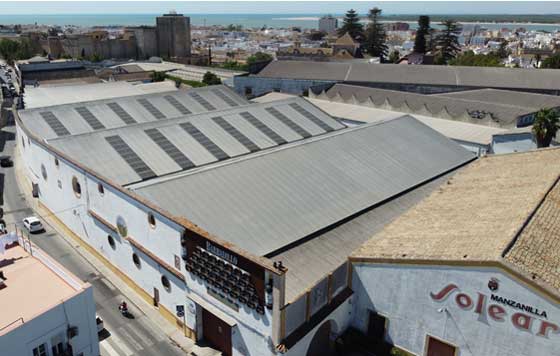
136, 260
76, 187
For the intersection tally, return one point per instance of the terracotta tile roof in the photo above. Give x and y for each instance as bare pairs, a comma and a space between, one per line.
537, 249
479, 213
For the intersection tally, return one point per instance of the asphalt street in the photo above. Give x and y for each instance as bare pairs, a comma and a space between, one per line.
123, 336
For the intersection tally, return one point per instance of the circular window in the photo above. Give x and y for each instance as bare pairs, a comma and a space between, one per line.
76, 187
100, 188
121, 226
136, 260
43, 171
165, 283
111, 242
56, 162
152, 220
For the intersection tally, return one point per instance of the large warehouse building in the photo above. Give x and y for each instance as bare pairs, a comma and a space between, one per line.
244, 214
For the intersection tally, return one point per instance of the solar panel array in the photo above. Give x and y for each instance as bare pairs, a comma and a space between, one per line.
177, 105
263, 128
90, 118
204, 141
117, 109
169, 148
311, 117
235, 133
54, 123
284, 119
133, 160
151, 109
224, 97
202, 101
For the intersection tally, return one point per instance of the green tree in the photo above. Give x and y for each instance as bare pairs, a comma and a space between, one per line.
503, 51
351, 24
394, 56
420, 42
552, 62
447, 42
376, 37
210, 78
545, 127
9, 50
158, 76
259, 57
471, 59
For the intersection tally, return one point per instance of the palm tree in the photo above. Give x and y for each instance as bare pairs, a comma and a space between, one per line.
545, 127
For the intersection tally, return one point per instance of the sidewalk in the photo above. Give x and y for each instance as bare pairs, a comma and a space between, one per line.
175, 335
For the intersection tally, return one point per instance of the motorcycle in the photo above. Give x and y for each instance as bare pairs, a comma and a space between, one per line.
123, 308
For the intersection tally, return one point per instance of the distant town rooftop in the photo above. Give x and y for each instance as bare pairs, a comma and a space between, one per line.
33, 286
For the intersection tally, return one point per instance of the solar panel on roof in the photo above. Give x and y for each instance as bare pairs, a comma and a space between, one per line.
205, 104
224, 97
263, 128
288, 122
235, 133
169, 148
54, 123
311, 117
90, 118
133, 160
204, 141
177, 105
117, 109
151, 109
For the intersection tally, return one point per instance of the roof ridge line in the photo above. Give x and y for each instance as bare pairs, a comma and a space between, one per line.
529, 217
275, 149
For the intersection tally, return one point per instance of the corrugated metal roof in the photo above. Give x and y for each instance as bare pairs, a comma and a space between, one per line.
530, 101
266, 201
133, 105
310, 261
414, 74
106, 161
52, 95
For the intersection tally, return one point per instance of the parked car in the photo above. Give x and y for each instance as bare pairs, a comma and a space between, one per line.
99, 323
32, 224
6, 161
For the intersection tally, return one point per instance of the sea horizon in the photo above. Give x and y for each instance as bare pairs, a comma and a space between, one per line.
275, 20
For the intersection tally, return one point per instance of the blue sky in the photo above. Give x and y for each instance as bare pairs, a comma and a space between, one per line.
271, 7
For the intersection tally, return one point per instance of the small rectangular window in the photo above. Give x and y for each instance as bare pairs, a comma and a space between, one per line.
40, 350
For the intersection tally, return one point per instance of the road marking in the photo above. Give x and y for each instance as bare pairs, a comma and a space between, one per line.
106, 346
148, 342
136, 344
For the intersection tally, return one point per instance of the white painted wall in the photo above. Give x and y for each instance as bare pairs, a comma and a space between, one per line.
77, 311
402, 294
253, 332
341, 317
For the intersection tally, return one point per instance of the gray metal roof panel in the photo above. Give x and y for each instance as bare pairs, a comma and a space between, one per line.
267, 201
155, 156
491, 77
312, 260
108, 118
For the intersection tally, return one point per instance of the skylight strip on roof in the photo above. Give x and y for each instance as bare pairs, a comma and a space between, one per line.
54, 123
311, 117
263, 128
121, 113
169, 148
224, 97
204, 141
199, 99
177, 105
235, 133
151, 109
92, 121
130, 157
288, 122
